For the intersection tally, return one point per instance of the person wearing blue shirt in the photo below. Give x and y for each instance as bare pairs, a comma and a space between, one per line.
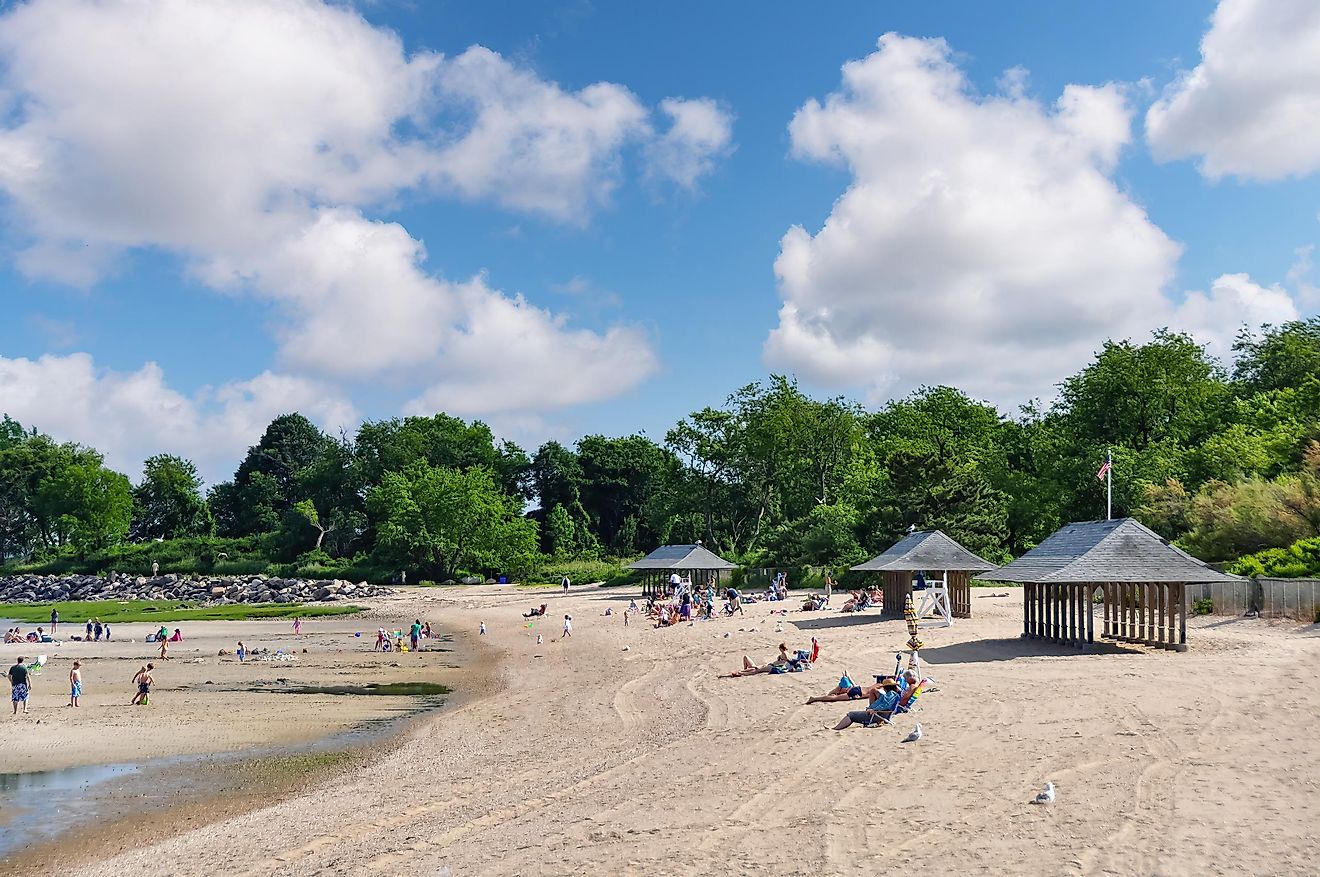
878, 710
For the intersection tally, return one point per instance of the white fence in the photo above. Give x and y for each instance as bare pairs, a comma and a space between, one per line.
1275, 598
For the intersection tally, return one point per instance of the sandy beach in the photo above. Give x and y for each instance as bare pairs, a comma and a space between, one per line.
618, 751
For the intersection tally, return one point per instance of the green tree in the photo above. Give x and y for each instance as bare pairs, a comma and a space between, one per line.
168, 503
624, 478
90, 506
1280, 357
440, 521
444, 441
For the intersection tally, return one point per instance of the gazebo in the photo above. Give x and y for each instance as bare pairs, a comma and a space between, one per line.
1141, 579
667, 559
929, 551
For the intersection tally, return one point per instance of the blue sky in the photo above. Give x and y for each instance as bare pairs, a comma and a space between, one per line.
669, 265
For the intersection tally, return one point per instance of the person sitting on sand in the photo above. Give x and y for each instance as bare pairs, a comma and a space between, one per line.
177, 636
879, 710
750, 668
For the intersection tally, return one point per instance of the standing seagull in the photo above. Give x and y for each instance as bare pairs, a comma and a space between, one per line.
1046, 795
915, 735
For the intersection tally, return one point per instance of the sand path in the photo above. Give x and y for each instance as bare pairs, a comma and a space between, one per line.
589, 759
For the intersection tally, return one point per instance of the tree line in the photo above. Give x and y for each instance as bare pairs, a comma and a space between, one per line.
1223, 458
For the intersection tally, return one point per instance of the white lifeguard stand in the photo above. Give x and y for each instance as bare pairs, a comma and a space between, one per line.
935, 601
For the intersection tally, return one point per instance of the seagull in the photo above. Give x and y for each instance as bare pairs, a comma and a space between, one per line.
1046, 795
915, 735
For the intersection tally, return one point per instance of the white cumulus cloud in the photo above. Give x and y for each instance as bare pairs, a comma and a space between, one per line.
130, 416
1234, 302
255, 139
982, 240
700, 132
1251, 107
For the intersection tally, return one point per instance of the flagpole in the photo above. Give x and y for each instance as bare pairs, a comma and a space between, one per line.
1109, 485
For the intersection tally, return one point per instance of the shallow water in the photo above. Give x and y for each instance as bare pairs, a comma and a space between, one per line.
37, 806
385, 689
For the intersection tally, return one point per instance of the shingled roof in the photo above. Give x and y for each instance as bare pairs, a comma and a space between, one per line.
929, 550
1121, 550
682, 557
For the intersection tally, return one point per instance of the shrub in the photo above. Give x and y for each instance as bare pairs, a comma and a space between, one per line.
1203, 607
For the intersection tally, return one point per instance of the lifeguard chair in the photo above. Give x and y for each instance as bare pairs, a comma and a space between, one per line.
934, 599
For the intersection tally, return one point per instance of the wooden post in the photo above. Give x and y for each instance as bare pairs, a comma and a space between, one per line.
1090, 614
1132, 613
1181, 599
1026, 609
1163, 614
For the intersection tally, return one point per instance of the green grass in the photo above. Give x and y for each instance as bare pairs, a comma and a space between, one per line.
127, 611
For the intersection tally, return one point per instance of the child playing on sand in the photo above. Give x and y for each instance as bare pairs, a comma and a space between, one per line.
75, 683
297, 626
568, 625
241, 651
483, 629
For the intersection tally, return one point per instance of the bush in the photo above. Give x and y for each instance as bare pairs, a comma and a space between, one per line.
1299, 560
549, 571
1203, 607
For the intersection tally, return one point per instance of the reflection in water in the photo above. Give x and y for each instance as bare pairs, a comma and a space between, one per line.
40, 804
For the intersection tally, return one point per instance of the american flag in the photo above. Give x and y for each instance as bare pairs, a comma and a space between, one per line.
1104, 470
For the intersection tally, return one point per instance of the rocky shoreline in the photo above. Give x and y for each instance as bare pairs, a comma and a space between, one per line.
211, 590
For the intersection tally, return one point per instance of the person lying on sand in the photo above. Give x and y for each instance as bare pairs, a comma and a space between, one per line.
847, 690
878, 711
749, 668
534, 612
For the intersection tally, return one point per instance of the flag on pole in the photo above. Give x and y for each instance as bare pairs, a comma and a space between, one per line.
1104, 470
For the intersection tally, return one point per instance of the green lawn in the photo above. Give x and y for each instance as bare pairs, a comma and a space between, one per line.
126, 611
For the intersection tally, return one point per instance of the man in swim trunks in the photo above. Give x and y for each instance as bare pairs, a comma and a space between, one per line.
143, 679
18, 678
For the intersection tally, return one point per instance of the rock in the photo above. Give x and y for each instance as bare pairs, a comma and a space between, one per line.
473, 580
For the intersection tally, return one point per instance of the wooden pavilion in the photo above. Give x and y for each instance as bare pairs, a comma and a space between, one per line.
668, 559
1140, 578
928, 552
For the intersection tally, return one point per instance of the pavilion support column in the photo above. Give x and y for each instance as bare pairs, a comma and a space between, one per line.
1120, 610
1056, 608
1132, 604
1141, 612
1079, 621
1090, 614
1154, 591
1051, 613
1026, 610
1125, 610
1162, 612
1180, 598
1104, 592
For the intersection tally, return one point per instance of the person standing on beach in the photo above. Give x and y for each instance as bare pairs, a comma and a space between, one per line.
241, 651
297, 625
18, 680
75, 683
143, 680
107, 631
164, 648
829, 587
89, 630
568, 625
54, 620
415, 633
564, 583
97, 628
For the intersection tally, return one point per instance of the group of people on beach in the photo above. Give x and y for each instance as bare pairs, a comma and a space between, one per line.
417, 631
889, 695
20, 683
